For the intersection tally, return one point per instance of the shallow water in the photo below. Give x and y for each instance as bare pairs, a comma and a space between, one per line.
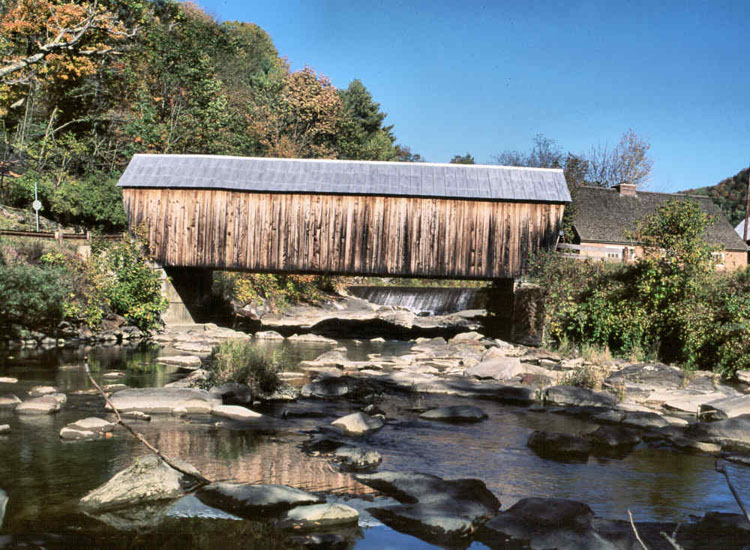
45, 476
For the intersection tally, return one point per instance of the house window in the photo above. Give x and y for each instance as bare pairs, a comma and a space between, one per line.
718, 258
613, 253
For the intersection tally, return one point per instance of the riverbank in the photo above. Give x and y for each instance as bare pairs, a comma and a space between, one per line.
517, 388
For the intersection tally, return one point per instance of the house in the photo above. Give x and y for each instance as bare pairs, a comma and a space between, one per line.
740, 230
603, 217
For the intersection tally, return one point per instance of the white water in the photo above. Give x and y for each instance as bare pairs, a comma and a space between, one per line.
422, 300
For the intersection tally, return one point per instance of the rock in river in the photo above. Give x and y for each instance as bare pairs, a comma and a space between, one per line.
579, 397
236, 412
727, 407
457, 413
356, 459
9, 401
184, 361
559, 446
39, 391
159, 400
432, 508
358, 423
250, 500
47, 404
317, 516
149, 479
733, 434
88, 428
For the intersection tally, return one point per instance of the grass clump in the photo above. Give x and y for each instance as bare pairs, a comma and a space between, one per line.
240, 362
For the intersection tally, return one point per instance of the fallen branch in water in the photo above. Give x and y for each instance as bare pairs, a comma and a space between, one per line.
721, 469
637, 536
171, 462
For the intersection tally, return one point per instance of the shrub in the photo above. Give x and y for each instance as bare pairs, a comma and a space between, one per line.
274, 291
32, 296
239, 361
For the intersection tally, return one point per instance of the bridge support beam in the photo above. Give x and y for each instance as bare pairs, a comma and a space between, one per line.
188, 291
515, 312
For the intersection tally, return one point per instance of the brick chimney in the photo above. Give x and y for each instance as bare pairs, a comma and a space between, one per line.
626, 189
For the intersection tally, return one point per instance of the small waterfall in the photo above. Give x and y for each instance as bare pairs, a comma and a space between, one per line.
423, 300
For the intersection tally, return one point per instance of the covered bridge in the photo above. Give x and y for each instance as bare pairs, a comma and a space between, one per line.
343, 217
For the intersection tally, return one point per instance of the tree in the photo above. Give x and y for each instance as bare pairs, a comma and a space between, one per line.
628, 162
404, 154
361, 134
463, 159
545, 153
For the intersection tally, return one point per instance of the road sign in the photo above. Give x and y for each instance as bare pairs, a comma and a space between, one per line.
36, 205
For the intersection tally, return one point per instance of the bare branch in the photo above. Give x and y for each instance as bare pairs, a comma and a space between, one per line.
138, 436
635, 531
722, 469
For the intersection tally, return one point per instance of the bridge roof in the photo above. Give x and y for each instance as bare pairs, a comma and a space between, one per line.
347, 177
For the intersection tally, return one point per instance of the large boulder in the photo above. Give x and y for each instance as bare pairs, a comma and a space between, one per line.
148, 480
542, 523
456, 413
578, 397
727, 407
159, 400
434, 509
252, 501
559, 446
733, 434
358, 423
47, 404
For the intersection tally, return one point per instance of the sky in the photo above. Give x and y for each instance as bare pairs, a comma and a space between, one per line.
486, 77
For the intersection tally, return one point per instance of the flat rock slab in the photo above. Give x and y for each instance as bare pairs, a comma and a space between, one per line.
159, 400
733, 434
436, 510
88, 428
358, 423
579, 397
47, 404
312, 339
317, 516
8, 380
268, 335
498, 368
9, 401
194, 347
457, 413
39, 391
149, 479
250, 500
681, 401
184, 361
559, 446
236, 412
727, 407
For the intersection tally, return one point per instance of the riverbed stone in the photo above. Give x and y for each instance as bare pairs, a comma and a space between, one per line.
471, 337
578, 397
316, 516
456, 413
188, 362
542, 523
199, 348
252, 500
326, 388
8, 380
4, 429
268, 335
356, 459
236, 412
613, 441
47, 404
733, 434
434, 509
312, 339
87, 428
9, 401
149, 479
358, 423
39, 391
113, 374
559, 446
644, 420
498, 368
727, 407
159, 400
689, 402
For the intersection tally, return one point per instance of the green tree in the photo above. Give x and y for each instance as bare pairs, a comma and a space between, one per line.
462, 159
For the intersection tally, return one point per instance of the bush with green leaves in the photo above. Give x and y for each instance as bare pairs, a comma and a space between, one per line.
32, 296
241, 362
671, 303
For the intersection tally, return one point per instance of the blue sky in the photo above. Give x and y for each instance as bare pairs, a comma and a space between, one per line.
483, 77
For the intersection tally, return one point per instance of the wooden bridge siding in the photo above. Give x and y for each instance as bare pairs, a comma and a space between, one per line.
341, 233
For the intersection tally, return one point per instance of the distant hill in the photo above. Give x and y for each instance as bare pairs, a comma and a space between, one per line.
729, 195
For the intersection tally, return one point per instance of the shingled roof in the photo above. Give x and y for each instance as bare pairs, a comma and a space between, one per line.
605, 216
345, 177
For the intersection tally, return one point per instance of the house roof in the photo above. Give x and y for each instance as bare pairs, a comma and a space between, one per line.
346, 177
604, 215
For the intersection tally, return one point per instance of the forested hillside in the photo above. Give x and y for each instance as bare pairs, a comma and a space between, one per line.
85, 85
729, 194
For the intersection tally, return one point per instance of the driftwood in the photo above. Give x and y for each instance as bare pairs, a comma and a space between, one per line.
722, 469
171, 462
